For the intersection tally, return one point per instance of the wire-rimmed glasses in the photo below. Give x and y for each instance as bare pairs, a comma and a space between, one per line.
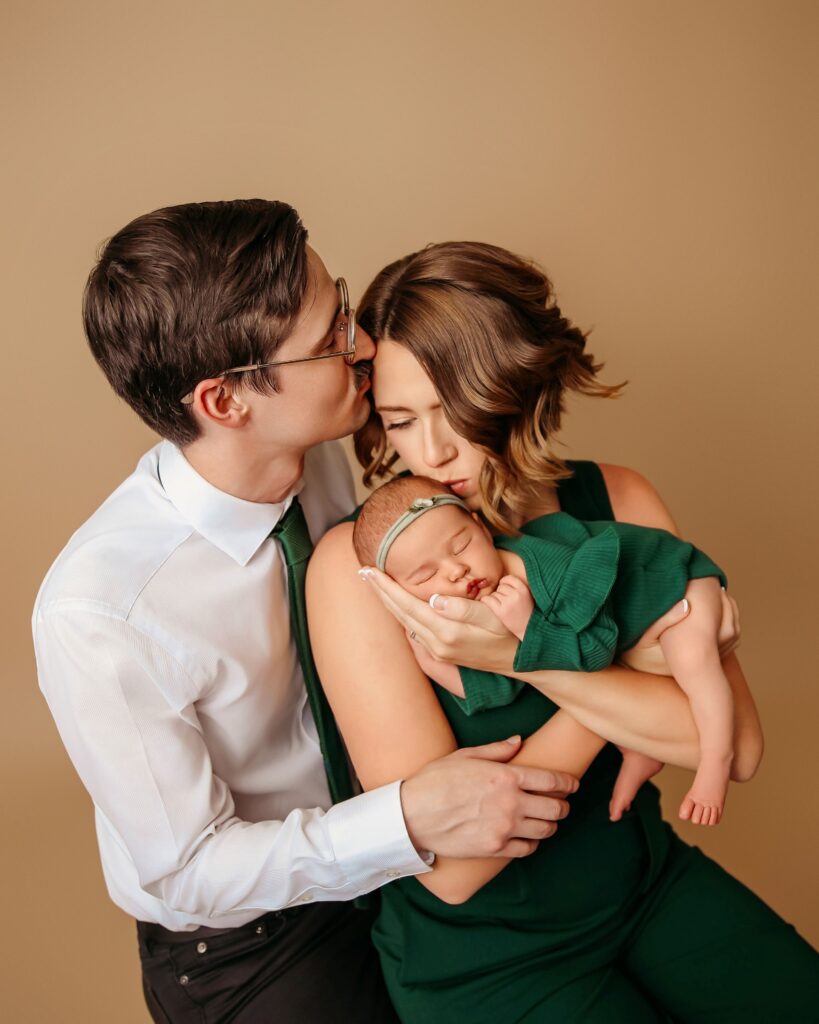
346, 325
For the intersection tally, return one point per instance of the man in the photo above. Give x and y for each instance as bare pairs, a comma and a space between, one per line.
171, 646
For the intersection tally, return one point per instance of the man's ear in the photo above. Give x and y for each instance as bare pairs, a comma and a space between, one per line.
219, 403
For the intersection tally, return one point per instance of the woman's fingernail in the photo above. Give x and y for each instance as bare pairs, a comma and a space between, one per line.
684, 606
438, 602
365, 574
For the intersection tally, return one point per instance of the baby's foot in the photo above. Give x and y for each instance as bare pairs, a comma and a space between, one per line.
635, 770
704, 802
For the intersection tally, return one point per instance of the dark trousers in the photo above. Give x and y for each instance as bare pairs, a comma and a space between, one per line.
307, 965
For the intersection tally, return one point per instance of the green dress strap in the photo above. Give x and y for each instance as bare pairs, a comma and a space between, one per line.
584, 494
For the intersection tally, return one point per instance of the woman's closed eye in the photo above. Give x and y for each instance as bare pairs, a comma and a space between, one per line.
398, 425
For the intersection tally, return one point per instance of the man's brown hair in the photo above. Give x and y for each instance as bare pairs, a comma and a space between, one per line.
485, 326
186, 292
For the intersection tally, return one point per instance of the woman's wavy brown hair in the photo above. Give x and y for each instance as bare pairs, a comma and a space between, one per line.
485, 326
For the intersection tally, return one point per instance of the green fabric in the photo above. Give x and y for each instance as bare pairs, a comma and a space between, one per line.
604, 922
597, 587
291, 531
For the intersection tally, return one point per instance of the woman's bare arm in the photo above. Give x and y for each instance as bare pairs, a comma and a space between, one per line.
619, 708
639, 710
388, 714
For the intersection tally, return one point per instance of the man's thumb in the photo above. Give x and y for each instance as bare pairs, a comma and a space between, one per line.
500, 750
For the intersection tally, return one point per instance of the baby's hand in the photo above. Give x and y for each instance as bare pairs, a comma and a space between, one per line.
513, 604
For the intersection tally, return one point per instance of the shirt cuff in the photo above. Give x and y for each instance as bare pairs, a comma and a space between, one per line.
369, 837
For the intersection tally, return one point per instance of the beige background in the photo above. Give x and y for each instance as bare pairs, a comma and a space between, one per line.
654, 156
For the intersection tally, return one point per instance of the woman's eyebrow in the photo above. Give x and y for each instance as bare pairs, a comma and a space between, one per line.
392, 408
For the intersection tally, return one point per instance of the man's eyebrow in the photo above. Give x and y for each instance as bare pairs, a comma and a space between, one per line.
319, 345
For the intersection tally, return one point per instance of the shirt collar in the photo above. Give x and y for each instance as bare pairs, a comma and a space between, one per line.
234, 525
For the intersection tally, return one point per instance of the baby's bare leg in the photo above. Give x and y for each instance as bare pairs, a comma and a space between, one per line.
691, 650
634, 771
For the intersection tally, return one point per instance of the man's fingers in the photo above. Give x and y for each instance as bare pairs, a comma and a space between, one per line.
500, 750
518, 848
543, 780
543, 809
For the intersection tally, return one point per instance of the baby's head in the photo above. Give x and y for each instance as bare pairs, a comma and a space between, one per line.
441, 548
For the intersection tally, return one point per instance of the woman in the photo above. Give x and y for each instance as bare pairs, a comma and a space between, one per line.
615, 922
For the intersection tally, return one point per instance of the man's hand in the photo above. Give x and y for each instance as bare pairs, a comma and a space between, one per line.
454, 629
513, 604
471, 804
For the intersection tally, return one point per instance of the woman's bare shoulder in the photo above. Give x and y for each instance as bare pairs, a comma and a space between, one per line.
634, 499
336, 546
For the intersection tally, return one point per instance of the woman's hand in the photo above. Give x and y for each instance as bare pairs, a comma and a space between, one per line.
452, 629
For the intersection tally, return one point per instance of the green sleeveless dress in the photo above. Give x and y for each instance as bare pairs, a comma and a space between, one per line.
606, 923
574, 888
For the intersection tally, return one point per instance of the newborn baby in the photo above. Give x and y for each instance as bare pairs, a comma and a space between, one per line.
578, 595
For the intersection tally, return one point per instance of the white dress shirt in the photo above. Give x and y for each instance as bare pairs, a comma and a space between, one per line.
163, 643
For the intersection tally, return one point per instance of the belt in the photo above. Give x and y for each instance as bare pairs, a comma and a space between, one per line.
152, 934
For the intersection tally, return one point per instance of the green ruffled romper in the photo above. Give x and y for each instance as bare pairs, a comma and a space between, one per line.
598, 585
605, 922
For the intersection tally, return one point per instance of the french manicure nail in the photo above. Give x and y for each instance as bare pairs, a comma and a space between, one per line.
441, 602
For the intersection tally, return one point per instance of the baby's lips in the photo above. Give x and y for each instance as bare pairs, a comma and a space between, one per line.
474, 587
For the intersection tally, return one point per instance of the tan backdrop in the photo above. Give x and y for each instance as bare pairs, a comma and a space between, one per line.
656, 157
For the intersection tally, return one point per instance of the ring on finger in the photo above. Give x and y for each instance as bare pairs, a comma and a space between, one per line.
412, 635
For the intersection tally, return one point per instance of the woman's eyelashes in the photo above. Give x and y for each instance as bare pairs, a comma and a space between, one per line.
399, 425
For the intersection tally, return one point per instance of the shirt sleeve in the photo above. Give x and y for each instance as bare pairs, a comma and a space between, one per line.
126, 713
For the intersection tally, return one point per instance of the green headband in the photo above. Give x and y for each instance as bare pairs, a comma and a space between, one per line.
415, 511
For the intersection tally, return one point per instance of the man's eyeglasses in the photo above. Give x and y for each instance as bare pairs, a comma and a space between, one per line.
346, 326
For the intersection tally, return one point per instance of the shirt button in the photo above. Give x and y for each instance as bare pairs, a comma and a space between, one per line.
259, 929
306, 898
201, 947
184, 979
392, 873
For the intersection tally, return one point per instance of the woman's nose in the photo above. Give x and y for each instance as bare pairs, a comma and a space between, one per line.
438, 450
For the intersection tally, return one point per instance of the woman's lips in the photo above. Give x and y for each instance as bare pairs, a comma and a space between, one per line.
458, 486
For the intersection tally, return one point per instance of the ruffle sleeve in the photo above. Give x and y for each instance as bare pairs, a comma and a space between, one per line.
572, 627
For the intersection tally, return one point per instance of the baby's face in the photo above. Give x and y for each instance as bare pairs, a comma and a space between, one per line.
445, 551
